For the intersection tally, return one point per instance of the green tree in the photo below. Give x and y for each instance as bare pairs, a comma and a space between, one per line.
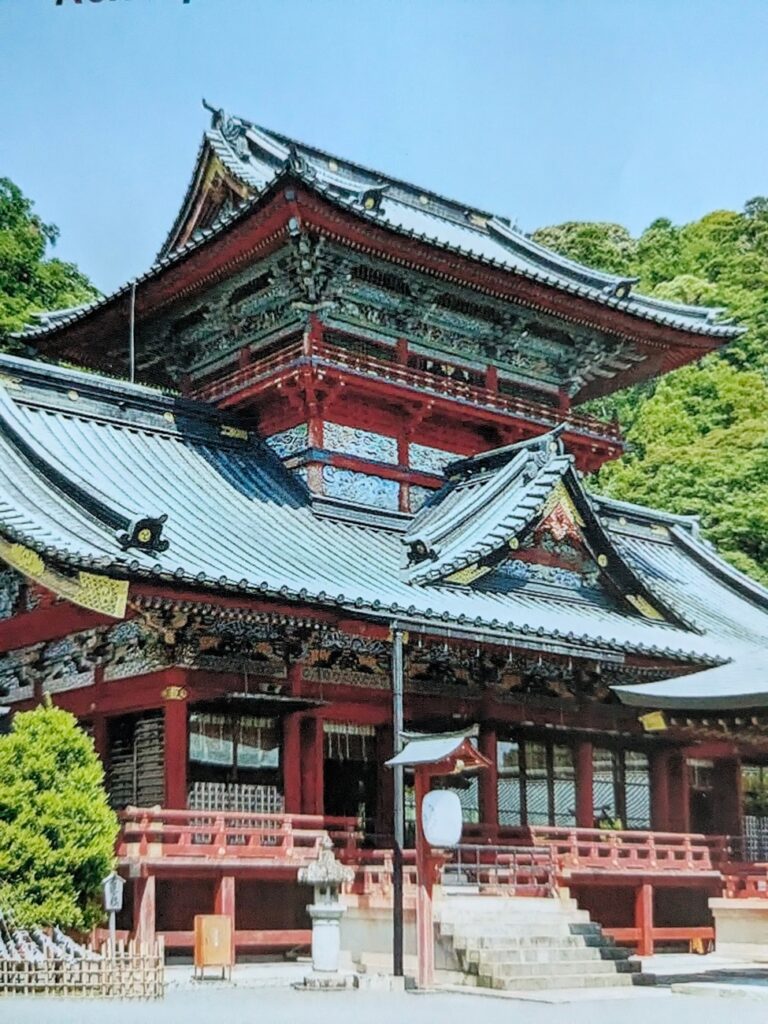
699, 436
29, 282
57, 831
600, 245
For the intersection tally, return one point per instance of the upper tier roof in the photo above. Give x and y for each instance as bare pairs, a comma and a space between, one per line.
256, 158
255, 155
83, 458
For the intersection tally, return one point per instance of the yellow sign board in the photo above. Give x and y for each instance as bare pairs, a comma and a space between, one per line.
88, 590
653, 721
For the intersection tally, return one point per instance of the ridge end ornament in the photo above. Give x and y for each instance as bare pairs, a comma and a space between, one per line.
145, 534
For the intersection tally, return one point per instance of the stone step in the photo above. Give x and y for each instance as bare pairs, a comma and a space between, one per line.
539, 935
531, 945
480, 959
534, 955
561, 981
550, 970
509, 910
490, 904
475, 950
500, 924
603, 942
585, 928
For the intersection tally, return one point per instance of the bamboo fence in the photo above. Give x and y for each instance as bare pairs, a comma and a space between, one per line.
129, 971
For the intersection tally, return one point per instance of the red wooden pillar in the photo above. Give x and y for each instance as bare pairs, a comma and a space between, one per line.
659, 771
176, 747
291, 755
295, 678
644, 919
144, 909
488, 789
679, 797
101, 738
404, 459
727, 797
585, 805
425, 931
224, 900
312, 758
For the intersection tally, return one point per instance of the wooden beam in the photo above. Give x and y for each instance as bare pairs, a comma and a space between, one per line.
49, 623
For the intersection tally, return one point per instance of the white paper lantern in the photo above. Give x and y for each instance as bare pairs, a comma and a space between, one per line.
441, 818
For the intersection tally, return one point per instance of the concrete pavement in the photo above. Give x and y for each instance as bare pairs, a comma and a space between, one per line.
237, 1005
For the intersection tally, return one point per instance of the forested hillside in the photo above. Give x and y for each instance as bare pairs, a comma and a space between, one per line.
699, 437
29, 280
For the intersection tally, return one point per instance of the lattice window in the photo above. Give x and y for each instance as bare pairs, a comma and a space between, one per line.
235, 796
621, 789
536, 783
136, 775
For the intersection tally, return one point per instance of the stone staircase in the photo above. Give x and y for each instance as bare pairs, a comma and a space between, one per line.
527, 944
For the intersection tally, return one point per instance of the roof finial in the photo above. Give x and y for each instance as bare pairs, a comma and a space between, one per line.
231, 129
217, 114
296, 161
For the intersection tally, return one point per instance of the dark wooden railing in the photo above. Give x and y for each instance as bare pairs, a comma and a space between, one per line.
512, 870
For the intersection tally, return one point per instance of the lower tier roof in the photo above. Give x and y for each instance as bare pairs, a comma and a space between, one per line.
85, 461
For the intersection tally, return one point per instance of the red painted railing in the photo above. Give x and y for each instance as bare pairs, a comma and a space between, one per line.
159, 834
503, 858
745, 881
374, 872
328, 355
260, 369
581, 849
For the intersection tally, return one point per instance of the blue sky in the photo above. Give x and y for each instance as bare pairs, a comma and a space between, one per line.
542, 110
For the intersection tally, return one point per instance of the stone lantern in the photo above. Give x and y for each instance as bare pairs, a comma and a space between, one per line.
327, 876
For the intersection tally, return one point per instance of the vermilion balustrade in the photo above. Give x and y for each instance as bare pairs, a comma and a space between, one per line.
496, 857
608, 849
157, 833
323, 353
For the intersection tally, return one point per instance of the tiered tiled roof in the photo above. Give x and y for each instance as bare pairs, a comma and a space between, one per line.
82, 458
257, 155
257, 158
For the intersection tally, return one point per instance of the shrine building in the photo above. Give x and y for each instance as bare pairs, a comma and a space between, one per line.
340, 412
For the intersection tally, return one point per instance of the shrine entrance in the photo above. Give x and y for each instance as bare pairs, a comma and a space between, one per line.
701, 796
350, 773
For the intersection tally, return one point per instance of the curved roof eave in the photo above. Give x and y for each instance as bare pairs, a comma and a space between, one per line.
639, 307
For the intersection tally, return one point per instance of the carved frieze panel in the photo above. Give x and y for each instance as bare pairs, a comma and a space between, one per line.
346, 677
430, 460
134, 650
419, 495
289, 442
239, 311
363, 443
339, 657
362, 488
64, 664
